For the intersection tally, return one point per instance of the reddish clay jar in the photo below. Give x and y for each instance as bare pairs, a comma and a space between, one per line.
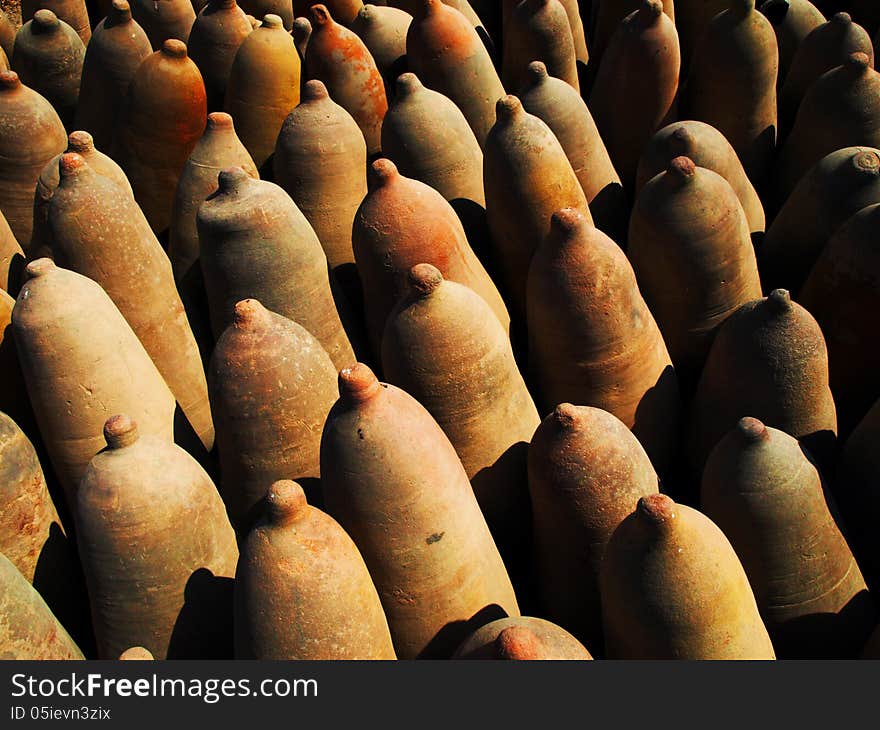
401, 223
527, 177
394, 482
24, 114
336, 56
768, 359
161, 122
592, 339
299, 568
48, 56
75, 347
585, 471
446, 53
263, 87
636, 86
522, 639
116, 49
769, 500
673, 588
151, 583
256, 244
732, 85
272, 385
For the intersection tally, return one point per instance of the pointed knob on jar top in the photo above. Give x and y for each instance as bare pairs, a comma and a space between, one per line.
857, 63
564, 225
136, 653
120, 431
270, 20
358, 384
314, 90
650, 11
656, 512
518, 643
286, 502
39, 267
72, 165
219, 121
508, 108
424, 280
427, 7
751, 430
45, 21
407, 84
80, 142
681, 171
779, 301
681, 139
566, 417
867, 162
301, 32
9, 80
174, 48
320, 16
842, 19
381, 172
253, 21
367, 14
247, 313
120, 13
232, 180
536, 74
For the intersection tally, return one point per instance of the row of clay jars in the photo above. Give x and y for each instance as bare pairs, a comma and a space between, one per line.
522, 638
839, 292
586, 470
98, 230
76, 349
641, 66
255, 243
48, 56
592, 339
28, 629
767, 496
152, 583
394, 482
673, 588
272, 385
444, 346
403, 222
299, 568
692, 254
117, 48
24, 115
732, 85
162, 119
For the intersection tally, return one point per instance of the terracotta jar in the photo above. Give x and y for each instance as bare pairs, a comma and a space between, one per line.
561, 108
151, 583
692, 254
76, 348
298, 567
48, 57
336, 56
592, 340
72, 12
444, 346
522, 638
585, 471
636, 86
732, 85
609, 14
792, 21
256, 244
215, 37
768, 359
383, 31
263, 87
673, 588
394, 482
117, 48
164, 19
527, 177
162, 120
401, 223
838, 186
708, 148
445, 51
28, 630
272, 386
769, 500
